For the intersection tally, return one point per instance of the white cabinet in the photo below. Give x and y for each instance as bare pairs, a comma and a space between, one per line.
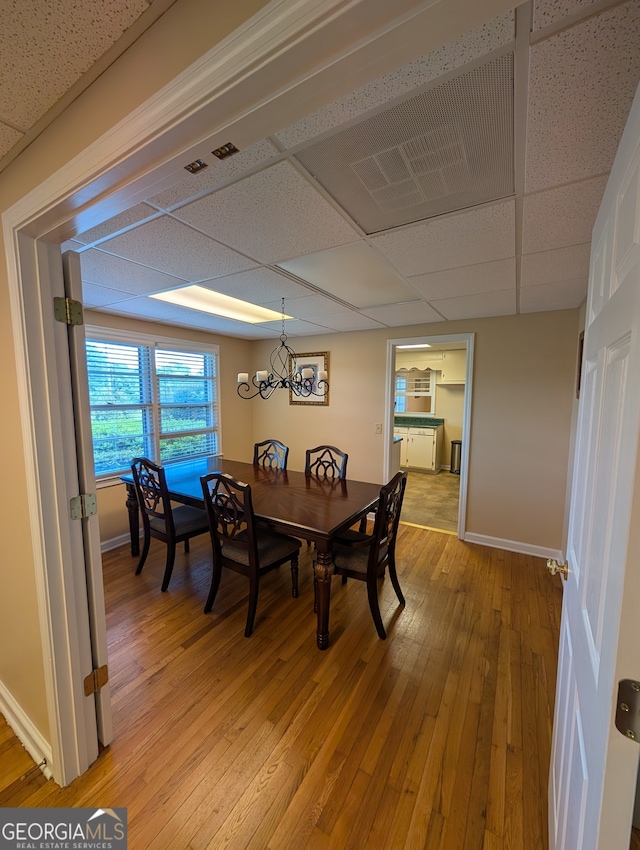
421, 448
454, 367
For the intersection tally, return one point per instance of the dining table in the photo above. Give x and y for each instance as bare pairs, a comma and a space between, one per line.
314, 508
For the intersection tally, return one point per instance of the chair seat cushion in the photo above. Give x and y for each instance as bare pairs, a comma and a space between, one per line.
271, 547
185, 520
353, 559
353, 537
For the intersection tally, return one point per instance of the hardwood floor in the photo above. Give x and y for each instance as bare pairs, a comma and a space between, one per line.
438, 737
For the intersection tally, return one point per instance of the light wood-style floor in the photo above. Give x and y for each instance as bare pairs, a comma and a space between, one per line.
438, 737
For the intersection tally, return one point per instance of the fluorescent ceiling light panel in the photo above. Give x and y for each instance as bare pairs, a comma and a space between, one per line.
418, 345
207, 301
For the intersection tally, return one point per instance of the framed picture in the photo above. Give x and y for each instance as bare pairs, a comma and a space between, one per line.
317, 362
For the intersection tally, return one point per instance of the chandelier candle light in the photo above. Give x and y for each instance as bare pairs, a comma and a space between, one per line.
283, 375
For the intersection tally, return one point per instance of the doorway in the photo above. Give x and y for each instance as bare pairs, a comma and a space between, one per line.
428, 410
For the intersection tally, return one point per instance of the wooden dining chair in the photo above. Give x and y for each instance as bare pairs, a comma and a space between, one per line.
159, 519
367, 557
326, 462
271, 453
238, 544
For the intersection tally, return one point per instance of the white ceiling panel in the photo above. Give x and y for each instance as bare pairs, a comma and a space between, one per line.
294, 327
472, 45
561, 217
108, 270
171, 246
555, 266
8, 138
273, 215
355, 273
582, 83
45, 49
553, 296
217, 173
547, 12
468, 280
477, 306
395, 315
262, 286
119, 222
95, 296
476, 236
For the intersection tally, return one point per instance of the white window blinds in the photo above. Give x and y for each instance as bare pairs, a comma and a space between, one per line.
152, 399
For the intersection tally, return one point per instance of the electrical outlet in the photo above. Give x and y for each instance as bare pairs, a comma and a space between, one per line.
377, 427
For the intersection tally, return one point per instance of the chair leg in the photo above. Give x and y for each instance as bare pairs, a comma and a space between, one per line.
294, 577
171, 556
213, 591
372, 593
254, 583
186, 545
394, 581
143, 554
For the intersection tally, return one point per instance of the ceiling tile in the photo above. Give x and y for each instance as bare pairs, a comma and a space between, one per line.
553, 266
561, 217
218, 172
49, 47
565, 295
107, 270
546, 12
295, 327
273, 215
469, 280
259, 286
582, 83
472, 45
8, 138
172, 247
117, 223
355, 273
101, 296
475, 236
395, 315
478, 306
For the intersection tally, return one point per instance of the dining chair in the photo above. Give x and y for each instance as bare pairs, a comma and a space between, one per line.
271, 453
366, 557
238, 544
326, 462
159, 519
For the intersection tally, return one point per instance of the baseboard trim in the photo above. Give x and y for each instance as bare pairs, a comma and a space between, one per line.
31, 738
115, 542
514, 546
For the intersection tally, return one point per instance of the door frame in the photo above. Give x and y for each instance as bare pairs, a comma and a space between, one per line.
392, 345
141, 154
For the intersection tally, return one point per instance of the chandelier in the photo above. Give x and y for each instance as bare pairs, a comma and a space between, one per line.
284, 374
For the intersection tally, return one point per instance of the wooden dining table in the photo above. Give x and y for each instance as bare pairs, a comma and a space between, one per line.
307, 506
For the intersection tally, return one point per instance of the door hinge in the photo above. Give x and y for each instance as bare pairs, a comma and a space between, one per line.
83, 506
628, 709
67, 311
95, 680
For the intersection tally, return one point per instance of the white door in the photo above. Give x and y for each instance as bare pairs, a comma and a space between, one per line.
87, 485
593, 767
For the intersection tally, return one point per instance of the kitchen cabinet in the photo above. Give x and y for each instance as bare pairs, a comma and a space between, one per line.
454, 367
421, 448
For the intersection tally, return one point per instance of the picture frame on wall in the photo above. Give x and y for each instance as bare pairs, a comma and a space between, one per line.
316, 361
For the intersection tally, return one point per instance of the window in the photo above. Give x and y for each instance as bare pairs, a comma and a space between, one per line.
401, 398
155, 398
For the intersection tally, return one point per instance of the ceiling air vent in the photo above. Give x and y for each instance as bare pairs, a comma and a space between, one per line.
445, 149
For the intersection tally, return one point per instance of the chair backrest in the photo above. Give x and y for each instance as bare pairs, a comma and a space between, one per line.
326, 462
229, 508
271, 453
151, 488
385, 528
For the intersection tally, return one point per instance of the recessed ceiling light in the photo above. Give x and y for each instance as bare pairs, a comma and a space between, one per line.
207, 301
418, 345
196, 165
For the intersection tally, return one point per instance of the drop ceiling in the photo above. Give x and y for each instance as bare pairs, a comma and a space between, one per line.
462, 185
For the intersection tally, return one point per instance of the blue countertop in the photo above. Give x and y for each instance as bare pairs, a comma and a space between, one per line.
417, 421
